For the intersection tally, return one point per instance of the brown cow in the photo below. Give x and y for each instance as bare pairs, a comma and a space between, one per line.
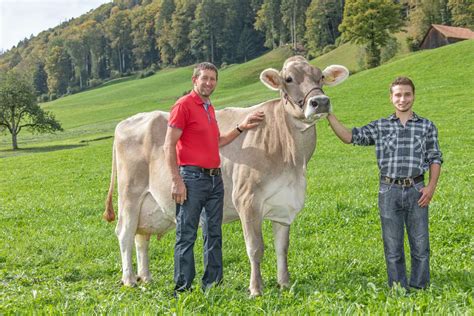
263, 170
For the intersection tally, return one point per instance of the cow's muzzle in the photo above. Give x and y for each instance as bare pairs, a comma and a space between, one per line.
319, 102
317, 107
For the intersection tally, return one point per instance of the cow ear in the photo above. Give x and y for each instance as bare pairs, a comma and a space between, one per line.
335, 74
271, 78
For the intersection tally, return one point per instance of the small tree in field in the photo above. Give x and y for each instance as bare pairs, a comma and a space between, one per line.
18, 109
370, 23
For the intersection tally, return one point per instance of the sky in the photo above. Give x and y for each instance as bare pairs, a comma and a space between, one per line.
21, 18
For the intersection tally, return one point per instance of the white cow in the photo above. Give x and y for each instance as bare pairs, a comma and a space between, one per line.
263, 170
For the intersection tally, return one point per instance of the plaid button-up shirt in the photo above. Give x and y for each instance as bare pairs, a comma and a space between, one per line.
402, 151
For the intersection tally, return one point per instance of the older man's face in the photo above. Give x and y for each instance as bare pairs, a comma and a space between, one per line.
205, 83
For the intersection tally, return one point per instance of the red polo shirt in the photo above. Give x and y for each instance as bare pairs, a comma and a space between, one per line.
199, 143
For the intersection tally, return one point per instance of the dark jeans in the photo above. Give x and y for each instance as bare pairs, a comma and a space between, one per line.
204, 193
398, 209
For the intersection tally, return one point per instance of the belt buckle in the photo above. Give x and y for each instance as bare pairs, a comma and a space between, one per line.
214, 172
407, 182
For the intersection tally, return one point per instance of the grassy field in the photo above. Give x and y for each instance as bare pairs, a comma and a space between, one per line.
58, 256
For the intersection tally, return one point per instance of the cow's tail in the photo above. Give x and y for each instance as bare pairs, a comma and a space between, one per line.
109, 214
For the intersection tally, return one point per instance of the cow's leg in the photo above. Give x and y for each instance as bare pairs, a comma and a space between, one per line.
254, 244
143, 263
126, 230
281, 236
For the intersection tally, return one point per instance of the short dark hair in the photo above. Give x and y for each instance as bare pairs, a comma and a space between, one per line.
204, 66
402, 81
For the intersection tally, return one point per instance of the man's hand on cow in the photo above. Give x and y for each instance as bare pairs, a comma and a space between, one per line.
178, 191
252, 120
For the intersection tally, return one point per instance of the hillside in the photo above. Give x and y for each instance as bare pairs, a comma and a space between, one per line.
94, 113
139, 37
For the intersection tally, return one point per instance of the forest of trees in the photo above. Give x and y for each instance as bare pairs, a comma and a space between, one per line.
142, 36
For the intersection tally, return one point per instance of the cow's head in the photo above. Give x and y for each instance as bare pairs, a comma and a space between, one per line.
301, 85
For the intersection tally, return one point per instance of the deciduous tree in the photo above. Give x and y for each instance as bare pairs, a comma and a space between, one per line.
268, 21
370, 23
119, 30
163, 31
180, 30
143, 35
19, 110
79, 53
59, 70
207, 27
322, 20
293, 17
462, 12
94, 39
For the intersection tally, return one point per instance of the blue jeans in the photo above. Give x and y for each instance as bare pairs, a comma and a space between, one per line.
399, 208
204, 193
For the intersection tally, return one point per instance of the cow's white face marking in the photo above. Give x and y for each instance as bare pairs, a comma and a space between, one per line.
314, 117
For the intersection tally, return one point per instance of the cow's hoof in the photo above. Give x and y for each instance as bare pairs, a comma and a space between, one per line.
130, 281
144, 278
284, 285
255, 293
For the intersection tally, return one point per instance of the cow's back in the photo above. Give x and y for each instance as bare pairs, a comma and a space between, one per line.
138, 135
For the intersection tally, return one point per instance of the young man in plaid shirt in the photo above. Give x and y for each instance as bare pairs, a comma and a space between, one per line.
406, 146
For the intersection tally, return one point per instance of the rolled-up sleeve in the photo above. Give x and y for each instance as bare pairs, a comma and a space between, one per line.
433, 153
178, 116
365, 135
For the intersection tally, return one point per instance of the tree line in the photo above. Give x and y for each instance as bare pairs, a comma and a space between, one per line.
142, 36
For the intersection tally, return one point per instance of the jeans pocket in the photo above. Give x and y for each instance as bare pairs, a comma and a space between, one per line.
190, 175
418, 186
384, 187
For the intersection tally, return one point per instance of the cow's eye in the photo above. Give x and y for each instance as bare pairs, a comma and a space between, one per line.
289, 79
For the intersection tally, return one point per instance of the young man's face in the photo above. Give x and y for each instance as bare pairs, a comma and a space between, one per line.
205, 83
402, 98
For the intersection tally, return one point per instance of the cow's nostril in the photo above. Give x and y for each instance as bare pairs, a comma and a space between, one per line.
323, 101
314, 103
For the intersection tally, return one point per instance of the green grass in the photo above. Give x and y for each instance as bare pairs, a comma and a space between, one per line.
58, 256
347, 54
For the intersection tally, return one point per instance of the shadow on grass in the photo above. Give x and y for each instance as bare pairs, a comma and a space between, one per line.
5, 153
95, 139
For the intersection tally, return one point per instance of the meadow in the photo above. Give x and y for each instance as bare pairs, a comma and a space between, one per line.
57, 255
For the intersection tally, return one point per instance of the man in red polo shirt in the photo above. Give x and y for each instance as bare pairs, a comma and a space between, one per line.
192, 154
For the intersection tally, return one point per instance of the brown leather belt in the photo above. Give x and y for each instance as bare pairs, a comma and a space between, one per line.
405, 182
212, 172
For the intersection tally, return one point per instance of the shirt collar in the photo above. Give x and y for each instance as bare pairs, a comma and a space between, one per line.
197, 98
393, 117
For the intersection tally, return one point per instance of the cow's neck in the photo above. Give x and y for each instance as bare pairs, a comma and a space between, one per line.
306, 132
303, 134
